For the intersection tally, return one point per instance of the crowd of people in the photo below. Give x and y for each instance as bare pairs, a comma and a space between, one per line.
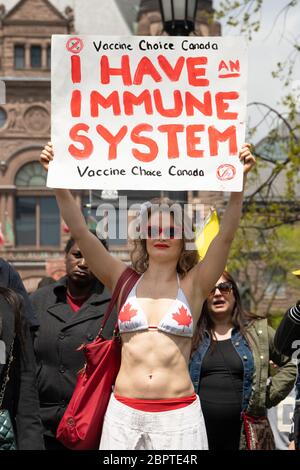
192, 356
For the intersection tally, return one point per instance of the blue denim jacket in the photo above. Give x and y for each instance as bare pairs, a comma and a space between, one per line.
242, 348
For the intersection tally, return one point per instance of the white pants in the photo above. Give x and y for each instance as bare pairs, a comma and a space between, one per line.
125, 428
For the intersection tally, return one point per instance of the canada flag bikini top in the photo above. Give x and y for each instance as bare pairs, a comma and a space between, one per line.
177, 320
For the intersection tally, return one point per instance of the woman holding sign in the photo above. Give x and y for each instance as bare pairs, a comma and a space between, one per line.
153, 405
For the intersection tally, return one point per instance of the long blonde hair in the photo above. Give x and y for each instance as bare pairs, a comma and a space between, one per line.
188, 258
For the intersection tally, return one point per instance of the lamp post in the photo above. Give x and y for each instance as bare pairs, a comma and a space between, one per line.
178, 16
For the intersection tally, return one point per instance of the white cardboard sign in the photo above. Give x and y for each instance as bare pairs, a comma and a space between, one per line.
159, 113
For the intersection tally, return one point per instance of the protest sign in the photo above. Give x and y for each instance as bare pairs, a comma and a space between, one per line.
159, 113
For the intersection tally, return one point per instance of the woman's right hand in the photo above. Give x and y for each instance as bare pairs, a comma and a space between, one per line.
46, 156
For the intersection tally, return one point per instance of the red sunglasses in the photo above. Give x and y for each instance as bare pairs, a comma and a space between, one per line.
169, 233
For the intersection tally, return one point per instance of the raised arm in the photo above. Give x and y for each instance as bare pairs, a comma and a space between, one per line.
105, 267
208, 271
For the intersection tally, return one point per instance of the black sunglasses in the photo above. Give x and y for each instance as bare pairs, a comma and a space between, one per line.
223, 287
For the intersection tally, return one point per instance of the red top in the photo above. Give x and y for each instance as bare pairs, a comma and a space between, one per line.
75, 303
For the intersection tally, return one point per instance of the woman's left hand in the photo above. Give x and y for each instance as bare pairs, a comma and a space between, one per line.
247, 158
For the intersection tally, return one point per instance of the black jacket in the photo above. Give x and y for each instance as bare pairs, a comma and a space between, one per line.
56, 342
11, 279
287, 341
21, 396
288, 332
287, 338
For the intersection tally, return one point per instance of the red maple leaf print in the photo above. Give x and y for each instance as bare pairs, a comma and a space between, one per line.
127, 313
182, 317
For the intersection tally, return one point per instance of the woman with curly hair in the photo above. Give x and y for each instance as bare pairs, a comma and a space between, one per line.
153, 405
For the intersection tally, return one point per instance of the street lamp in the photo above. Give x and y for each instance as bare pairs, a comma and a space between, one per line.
178, 16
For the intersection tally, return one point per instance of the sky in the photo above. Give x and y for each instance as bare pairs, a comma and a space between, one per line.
271, 44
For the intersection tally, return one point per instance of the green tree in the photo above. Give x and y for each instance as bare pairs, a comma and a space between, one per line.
266, 248
263, 261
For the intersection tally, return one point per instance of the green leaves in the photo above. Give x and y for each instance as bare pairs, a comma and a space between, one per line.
247, 14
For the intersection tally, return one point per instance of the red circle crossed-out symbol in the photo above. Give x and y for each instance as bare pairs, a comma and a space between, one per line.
75, 45
226, 172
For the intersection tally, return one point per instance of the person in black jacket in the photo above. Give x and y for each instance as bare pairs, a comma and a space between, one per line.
287, 341
10, 279
21, 395
70, 313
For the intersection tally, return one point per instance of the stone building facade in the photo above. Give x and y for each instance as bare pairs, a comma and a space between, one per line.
33, 232
29, 217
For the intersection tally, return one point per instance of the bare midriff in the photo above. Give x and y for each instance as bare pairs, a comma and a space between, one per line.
154, 366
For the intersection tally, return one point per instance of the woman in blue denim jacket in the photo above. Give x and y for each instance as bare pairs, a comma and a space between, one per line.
230, 366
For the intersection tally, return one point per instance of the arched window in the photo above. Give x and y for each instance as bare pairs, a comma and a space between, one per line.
37, 219
31, 175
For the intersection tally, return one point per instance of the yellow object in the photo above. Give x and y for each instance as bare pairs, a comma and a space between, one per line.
206, 236
296, 273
